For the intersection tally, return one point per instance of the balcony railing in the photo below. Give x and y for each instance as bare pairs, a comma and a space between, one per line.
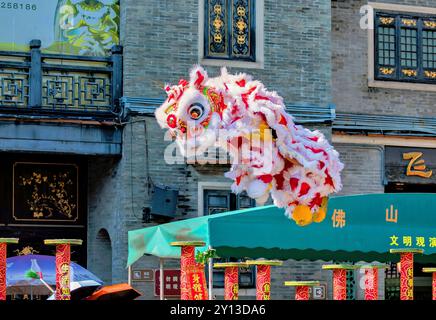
36, 83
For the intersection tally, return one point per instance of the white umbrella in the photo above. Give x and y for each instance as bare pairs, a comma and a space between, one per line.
80, 289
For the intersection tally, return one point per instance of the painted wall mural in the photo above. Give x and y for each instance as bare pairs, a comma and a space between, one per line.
78, 27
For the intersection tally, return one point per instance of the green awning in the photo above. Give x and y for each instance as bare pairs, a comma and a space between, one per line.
357, 228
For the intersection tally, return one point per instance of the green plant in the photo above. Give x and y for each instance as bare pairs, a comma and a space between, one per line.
203, 257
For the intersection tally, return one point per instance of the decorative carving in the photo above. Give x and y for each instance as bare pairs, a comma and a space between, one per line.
76, 91
13, 87
430, 24
386, 71
25, 251
409, 22
409, 72
45, 192
241, 30
430, 74
386, 20
217, 27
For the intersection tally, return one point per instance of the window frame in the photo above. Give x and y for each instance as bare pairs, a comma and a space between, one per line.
400, 73
392, 84
258, 63
232, 200
230, 34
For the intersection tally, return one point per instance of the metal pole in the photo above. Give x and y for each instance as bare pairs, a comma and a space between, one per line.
210, 277
129, 275
161, 274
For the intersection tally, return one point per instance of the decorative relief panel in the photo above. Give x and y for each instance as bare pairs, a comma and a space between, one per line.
45, 192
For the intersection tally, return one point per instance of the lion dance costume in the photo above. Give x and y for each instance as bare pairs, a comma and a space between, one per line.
296, 166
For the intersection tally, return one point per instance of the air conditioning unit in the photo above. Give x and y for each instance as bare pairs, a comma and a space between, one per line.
164, 202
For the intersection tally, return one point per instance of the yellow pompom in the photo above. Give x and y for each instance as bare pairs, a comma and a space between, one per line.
302, 215
319, 216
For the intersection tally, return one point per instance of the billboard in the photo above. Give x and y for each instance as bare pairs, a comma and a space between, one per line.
78, 27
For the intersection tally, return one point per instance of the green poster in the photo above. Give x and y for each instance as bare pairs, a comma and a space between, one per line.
78, 27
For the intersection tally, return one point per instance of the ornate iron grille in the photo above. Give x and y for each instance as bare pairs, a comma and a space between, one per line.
71, 86
14, 87
230, 29
76, 92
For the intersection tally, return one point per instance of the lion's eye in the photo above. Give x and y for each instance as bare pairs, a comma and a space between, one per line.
195, 111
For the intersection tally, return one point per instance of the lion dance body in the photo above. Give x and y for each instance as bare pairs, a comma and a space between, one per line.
298, 167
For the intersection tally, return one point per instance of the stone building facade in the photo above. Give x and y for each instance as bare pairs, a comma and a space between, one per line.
313, 53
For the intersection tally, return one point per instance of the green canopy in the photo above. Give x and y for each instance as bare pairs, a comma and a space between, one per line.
357, 228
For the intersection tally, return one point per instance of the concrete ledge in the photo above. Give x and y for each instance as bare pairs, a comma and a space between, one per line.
60, 137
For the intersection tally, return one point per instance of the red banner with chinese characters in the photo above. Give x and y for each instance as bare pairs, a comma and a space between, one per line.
340, 284
371, 284
197, 287
231, 284
406, 276
263, 282
3, 248
302, 293
63, 272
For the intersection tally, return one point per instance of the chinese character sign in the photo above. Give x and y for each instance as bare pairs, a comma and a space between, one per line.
171, 283
197, 283
416, 165
338, 218
192, 277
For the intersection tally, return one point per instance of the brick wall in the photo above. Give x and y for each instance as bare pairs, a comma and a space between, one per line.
350, 68
363, 168
160, 40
